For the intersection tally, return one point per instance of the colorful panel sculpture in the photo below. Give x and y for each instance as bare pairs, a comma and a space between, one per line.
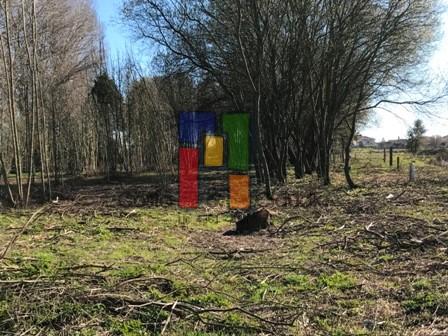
197, 134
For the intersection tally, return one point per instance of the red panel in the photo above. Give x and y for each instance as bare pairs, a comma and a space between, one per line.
188, 177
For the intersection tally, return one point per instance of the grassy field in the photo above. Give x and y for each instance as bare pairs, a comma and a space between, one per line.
372, 261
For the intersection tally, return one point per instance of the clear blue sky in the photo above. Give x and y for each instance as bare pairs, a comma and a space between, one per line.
385, 124
118, 40
116, 37
394, 121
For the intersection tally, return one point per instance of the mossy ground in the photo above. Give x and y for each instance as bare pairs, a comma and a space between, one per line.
347, 262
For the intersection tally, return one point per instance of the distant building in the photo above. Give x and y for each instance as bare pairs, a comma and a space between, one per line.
435, 142
428, 142
364, 141
397, 144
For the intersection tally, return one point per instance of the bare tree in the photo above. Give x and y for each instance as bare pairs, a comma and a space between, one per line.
304, 69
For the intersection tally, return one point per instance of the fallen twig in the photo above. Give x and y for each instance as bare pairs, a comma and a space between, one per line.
168, 320
369, 230
35, 215
401, 194
143, 279
287, 220
179, 308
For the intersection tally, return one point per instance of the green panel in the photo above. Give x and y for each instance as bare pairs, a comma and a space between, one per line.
236, 126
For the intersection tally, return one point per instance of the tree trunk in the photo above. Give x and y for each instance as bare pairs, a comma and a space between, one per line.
347, 168
9, 70
5, 178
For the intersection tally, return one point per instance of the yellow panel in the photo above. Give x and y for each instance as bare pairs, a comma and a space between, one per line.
214, 151
239, 191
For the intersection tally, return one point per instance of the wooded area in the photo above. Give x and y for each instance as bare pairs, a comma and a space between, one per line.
114, 222
64, 111
308, 72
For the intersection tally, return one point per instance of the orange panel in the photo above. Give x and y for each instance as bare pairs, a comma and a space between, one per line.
239, 186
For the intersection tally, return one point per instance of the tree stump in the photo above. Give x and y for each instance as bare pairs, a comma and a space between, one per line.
253, 222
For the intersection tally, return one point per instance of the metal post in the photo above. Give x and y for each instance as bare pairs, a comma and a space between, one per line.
412, 172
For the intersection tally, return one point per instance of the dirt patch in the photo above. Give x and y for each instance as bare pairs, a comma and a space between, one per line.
216, 242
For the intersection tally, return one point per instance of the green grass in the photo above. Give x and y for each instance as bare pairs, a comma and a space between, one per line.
96, 273
337, 281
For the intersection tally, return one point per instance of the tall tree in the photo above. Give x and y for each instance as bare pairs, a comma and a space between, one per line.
47, 48
303, 69
415, 134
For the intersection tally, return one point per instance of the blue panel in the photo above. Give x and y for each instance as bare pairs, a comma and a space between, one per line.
193, 124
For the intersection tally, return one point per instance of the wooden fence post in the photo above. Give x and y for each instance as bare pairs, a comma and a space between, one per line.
391, 156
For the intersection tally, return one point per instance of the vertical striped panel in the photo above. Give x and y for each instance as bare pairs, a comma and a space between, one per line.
237, 128
239, 187
214, 151
188, 177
